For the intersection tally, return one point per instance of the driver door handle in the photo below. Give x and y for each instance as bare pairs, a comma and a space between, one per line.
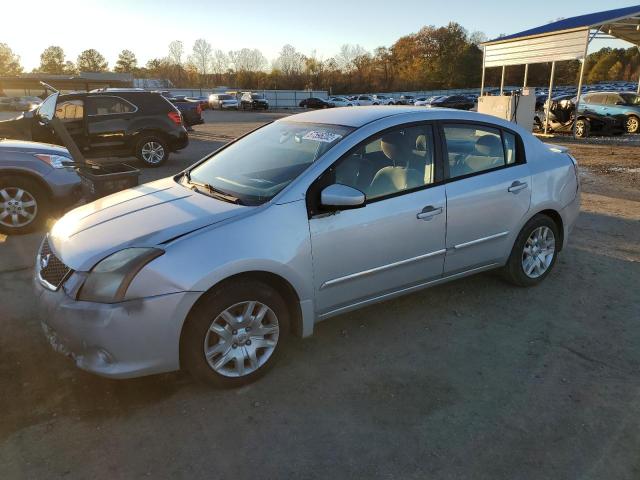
517, 186
429, 212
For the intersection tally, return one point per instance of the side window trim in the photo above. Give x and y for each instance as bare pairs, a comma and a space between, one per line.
520, 150
92, 104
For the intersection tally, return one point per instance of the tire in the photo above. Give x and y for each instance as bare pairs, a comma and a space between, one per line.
152, 150
514, 270
222, 370
23, 212
582, 128
632, 124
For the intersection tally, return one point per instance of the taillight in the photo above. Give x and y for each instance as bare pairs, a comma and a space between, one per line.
175, 118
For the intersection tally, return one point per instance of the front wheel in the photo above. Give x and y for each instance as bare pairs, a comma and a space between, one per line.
23, 205
534, 253
234, 334
152, 150
582, 128
633, 124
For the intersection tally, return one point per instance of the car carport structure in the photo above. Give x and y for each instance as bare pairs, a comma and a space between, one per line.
566, 39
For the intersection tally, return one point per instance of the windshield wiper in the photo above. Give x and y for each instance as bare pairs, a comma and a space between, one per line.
212, 191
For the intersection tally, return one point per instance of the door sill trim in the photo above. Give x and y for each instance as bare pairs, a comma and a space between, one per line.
402, 291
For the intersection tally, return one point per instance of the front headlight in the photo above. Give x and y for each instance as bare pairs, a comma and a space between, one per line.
109, 279
56, 161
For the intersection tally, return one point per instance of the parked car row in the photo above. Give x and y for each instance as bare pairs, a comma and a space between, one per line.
460, 102
19, 104
236, 101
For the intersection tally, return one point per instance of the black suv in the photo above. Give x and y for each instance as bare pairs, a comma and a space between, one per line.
254, 101
108, 123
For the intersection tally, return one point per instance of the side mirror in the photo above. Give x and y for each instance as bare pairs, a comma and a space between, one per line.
620, 102
342, 197
47, 109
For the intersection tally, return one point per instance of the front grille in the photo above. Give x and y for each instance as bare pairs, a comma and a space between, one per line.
51, 269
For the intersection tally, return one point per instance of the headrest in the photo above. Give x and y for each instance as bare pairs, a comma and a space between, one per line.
489, 146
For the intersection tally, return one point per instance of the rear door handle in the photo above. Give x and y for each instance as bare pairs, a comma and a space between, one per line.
517, 186
428, 212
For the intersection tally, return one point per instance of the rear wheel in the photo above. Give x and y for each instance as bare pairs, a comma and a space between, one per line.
233, 336
23, 205
152, 150
633, 124
534, 253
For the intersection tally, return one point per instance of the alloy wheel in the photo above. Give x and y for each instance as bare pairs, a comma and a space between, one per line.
632, 125
241, 339
18, 207
152, 152
538, 253
579, 129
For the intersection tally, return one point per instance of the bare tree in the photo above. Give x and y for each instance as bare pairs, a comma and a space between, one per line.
220, 62
248, 60
290, 61
345, 59
200, 57
176, 52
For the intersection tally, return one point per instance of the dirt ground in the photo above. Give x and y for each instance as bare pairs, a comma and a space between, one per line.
473, 379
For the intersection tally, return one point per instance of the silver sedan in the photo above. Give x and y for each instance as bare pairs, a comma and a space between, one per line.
305, 218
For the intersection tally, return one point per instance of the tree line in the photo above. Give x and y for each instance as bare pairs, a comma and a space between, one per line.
433, 58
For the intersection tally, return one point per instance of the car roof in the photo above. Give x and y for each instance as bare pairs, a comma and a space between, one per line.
357, 117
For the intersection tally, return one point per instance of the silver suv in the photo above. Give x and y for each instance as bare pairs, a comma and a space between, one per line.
305, 218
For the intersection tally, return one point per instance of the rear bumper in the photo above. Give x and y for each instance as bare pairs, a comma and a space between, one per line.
178, 140
129, 339
569, 216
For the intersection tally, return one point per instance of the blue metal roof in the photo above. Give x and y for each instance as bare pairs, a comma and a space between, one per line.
581, 21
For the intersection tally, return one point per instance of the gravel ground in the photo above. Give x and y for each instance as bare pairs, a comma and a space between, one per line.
473, 379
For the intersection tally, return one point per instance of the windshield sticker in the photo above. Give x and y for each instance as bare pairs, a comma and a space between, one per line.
320, 136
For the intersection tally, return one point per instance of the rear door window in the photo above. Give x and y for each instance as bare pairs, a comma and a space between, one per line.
473, 149
109, 106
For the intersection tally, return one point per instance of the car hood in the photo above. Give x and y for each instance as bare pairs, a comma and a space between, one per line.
146, 215
32, 147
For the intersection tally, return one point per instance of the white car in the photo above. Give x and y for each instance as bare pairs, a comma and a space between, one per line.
365, 100
421, 101
223, 101
340, 101
384, 100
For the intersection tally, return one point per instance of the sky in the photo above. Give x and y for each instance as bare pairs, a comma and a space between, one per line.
147, 26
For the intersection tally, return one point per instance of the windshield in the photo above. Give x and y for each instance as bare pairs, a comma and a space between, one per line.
630, 98
257, 96
257, 167
224, 97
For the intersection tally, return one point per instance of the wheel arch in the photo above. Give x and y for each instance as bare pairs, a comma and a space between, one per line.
278, 282
557, 219
30, 175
